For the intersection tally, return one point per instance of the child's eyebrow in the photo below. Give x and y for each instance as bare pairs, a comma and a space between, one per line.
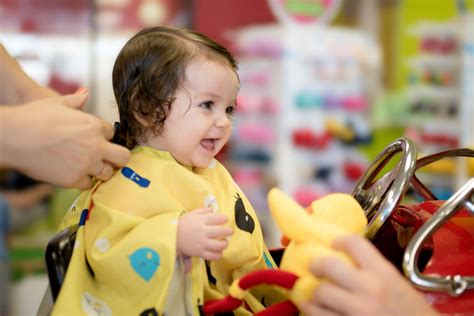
209, 94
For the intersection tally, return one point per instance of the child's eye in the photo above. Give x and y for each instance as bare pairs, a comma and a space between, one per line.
207, 105
230, 110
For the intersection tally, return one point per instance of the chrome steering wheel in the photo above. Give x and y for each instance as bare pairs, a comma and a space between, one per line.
380, 197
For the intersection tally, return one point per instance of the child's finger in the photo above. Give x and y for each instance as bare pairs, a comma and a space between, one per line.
216, 219
211, 255
203, 210
219, 232
216, 245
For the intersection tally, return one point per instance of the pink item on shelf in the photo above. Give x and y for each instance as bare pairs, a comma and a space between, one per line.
357, 103
256, 104
428, 44
247, 104
255, 133
440, 139
247, 176
268, 48
257, 78
438, 45
270, 106
413, 134
448, 46
305, 196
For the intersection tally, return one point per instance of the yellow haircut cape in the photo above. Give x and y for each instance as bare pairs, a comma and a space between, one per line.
125, 254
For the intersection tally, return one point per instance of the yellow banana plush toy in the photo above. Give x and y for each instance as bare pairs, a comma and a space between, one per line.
311, 233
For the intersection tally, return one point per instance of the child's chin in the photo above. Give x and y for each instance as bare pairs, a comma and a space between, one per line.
204, 163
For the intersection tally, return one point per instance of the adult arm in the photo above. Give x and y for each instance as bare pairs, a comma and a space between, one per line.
17, 87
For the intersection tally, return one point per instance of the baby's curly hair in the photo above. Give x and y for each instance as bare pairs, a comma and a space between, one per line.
149, 70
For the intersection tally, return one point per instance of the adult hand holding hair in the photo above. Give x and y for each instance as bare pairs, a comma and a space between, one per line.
372, 287
50, 139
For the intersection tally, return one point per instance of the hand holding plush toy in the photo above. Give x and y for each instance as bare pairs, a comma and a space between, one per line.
311, 234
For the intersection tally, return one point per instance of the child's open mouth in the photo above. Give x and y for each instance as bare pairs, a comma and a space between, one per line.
209, 143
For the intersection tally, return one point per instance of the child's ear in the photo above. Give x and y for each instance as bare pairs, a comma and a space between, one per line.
142, 120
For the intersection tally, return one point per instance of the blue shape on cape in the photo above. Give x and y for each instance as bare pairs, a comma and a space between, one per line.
145, 262
135, 177
83, 219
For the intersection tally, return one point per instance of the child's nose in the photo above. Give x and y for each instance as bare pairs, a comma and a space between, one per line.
223, 121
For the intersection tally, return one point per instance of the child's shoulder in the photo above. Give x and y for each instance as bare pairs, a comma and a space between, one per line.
142, 179
137, 174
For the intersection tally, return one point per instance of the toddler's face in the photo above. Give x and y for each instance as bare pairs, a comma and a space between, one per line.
200, 121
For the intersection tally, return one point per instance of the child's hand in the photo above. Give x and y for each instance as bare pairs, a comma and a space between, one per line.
201, 233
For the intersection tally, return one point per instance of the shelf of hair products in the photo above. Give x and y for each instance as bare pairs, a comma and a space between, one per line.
303, 110
440, 102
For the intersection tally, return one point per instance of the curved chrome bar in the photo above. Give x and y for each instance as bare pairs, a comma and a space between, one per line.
419, 187
388, 190
454, 285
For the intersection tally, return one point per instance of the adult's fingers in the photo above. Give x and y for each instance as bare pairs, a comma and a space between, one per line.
107, 129
311, 309
365, 255
105, 172
115, 154
83, 183
330, 296
341, 273
75, 101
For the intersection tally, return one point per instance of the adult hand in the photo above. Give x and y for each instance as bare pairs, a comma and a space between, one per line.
372, 287
51, 140
201, 233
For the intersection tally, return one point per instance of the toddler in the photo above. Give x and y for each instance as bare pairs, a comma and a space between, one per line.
170, 230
